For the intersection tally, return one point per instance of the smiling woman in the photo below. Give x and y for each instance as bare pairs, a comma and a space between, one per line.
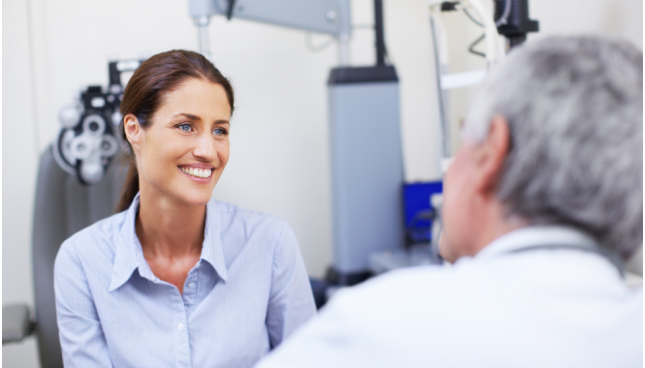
177, 278
183, 90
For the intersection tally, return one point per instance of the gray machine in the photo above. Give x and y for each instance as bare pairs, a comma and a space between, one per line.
367, 167
63, 206
364, 128
320, 16
80, 181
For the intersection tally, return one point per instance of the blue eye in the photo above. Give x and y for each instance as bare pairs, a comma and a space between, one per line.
220, 131
185, 127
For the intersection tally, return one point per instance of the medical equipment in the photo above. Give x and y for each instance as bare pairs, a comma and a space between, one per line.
517, 23
62, 207
320, 16
88, 139
510, 19
87, 148
364, 114
364, 130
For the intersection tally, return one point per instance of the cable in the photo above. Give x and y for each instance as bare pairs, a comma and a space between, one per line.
502, 19
473, 18
507, 12
471, 48
324, 45
314, 48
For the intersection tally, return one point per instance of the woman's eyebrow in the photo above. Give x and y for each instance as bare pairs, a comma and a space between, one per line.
197, 118
189, 116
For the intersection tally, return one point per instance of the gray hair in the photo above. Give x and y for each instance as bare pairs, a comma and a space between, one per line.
574, 106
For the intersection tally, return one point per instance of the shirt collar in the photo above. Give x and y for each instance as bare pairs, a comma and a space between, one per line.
212, 250
535, 235
129, 256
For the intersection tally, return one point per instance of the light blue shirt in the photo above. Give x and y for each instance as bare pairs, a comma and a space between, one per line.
245, 295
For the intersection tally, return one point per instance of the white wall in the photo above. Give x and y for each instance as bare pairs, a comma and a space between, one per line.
19, 171
279, 162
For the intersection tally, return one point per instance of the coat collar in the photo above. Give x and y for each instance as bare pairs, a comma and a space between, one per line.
530, 236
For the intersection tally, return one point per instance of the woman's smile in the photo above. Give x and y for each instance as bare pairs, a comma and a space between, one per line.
200, 175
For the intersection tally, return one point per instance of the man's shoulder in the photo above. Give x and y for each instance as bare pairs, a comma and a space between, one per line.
393, 280
407, 290
434, 278
407, 296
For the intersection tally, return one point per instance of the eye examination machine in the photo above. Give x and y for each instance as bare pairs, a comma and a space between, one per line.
363, 124
379, 222
88, 141
370, 231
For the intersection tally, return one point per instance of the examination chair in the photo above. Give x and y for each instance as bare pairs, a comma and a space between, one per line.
62, 207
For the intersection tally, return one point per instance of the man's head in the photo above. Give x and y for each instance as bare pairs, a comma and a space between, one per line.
554, 136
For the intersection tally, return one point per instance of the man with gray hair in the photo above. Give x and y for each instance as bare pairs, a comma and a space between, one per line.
542, 204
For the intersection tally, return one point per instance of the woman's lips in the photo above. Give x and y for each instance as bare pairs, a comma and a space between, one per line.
196, 172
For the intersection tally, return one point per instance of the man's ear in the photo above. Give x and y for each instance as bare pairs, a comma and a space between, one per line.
133, 131
492, 155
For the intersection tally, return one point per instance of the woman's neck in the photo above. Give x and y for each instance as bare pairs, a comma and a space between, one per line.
169, 228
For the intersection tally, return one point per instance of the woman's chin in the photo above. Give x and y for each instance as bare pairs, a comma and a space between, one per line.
195, 198
195, 195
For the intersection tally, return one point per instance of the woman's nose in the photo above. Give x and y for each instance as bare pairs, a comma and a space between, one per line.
205, 148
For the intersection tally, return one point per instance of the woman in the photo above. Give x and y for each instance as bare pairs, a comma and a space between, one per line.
178, 279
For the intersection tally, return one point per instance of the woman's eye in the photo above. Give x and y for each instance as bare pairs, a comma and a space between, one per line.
220, 131
185, 127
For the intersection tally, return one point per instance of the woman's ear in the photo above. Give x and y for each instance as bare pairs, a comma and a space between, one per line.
132, 130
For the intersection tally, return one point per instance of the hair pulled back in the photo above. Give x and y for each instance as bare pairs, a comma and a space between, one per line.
144, 94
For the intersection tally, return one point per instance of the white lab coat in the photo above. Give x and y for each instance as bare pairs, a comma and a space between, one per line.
537, 308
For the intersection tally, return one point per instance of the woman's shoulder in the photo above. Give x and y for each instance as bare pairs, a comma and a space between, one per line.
247, 223
262, 235
232, 212
100, 236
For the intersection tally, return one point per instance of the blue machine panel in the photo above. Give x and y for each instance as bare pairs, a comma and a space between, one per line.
417, 210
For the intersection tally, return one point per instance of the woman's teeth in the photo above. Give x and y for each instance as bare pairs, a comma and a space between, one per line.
200, 173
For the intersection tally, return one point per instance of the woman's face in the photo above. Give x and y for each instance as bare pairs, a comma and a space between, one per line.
183, 152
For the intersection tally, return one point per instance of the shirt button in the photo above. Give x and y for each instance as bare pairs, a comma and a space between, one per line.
180, 326
191, 285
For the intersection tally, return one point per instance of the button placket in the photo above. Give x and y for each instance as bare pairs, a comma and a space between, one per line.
182, 343
190, 287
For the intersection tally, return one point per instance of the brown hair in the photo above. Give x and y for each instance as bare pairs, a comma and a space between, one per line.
146, 89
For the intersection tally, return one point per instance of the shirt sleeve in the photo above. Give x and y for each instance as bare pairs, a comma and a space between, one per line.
82, 340
291, 301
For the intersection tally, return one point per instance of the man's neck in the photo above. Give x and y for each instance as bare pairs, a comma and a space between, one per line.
495, 223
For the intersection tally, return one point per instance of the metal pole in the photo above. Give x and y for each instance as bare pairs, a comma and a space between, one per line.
202, 27
343, 50
343, 16
445, 128
378, 29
